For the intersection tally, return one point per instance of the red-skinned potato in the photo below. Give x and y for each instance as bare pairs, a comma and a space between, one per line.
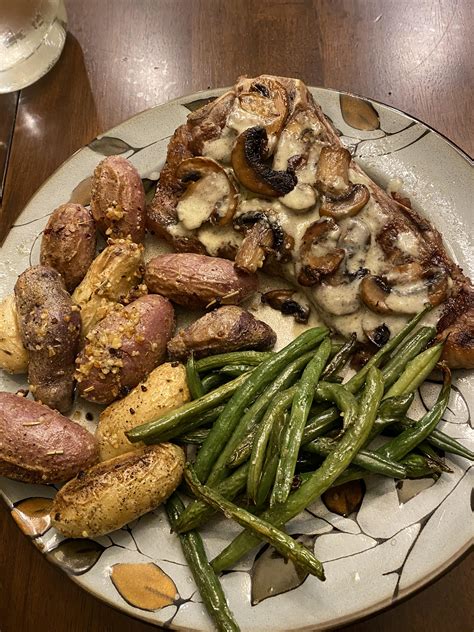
123, 348
197, 281
118, 199
39, 445
50, 328
68, 243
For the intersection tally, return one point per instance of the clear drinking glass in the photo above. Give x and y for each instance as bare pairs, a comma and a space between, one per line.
32, 36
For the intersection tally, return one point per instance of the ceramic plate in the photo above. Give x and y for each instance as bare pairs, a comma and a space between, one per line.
402, 536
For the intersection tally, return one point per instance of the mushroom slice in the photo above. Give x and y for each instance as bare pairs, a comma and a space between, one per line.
374, 291
316, 258
379, 335
438, 288
261, 237
282, 300
348, 206
209, 195
332, 173
248, 155
268, 100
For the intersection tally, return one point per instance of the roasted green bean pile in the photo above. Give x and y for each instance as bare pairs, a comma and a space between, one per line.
256, 416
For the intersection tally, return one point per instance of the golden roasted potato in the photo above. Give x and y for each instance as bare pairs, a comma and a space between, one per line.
110, 280
115, 492
13, 355
164, 389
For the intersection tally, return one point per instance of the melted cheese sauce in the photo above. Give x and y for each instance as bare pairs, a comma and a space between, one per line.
203, 197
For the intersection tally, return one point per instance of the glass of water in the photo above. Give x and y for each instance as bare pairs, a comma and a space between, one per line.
32, 36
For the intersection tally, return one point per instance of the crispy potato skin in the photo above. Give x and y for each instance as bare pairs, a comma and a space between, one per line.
39, 445
124, 348
228, 328
164, 389
117, 491
13, 355
112, 278
69, 242
50, 327
118, 199
194, 280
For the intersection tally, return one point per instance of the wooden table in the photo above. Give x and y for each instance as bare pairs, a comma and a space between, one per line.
123, 56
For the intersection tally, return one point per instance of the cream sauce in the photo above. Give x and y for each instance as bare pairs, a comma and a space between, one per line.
220, 149
214, 238
301, 198
203, 197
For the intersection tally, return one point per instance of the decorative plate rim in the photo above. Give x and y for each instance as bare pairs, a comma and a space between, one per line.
368, 611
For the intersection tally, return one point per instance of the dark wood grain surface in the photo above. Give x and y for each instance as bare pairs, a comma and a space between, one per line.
123, 56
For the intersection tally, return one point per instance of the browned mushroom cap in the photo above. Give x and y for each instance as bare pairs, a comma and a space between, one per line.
268, 99
438, 288
314, 265
332, 173
379, 335
261, 237
248, 155
347, 206
374, 292
283, 301
210, 194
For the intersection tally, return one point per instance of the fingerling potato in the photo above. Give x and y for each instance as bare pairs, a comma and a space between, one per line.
111, 278
13, 355
195, 281
118, 199
39, 445
113, 493
69, 242
123, 348
50, 327
164, 389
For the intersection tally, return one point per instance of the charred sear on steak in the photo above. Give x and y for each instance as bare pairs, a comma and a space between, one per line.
227, 328
261, 176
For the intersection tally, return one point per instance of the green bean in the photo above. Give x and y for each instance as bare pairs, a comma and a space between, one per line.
206, 580
282, 542
341, 358
416, 371
234, 370
211, 381
419, 466
267, 479
410, 349
339, 395
441, 440
428, 451
198, 512
194, 382
253, 358
196, 437
367, 459
320, 424
233, 423
357, 380
320, 480
181, 419
275, 411
394, 408
400, 446
302, 400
